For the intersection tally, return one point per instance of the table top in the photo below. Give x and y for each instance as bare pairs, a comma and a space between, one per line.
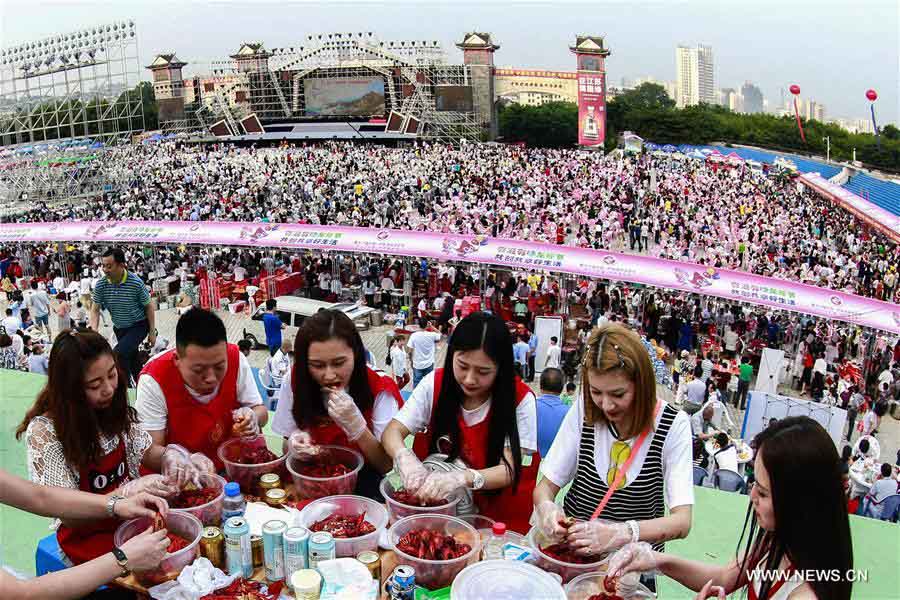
744, 452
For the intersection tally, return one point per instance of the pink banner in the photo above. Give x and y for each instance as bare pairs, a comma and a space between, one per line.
872, 214
669, 274
591, 100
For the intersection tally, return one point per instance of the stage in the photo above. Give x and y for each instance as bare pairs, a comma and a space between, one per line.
718, 516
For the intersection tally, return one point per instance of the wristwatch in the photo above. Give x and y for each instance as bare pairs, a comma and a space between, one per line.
121, 560
477, 479
111, 505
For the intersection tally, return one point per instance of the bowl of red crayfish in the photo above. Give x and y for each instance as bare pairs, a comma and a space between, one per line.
558, 557
204, 502
183, 531
247, 458
354, 521
332, 472
438, 547
597, 586
402, 503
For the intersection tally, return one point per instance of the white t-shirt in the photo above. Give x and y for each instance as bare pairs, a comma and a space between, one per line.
553, 357
398, 361
561, 461
423, 344
416, 413
384, 409
885, 377
239, 273
150, 402
727, 459
820, 366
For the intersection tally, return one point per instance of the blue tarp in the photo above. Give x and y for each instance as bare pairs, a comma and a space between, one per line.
669, 148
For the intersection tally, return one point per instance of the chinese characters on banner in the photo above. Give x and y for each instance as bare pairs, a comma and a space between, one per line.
591, 100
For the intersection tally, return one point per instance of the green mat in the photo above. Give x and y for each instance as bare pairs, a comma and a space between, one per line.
718, 516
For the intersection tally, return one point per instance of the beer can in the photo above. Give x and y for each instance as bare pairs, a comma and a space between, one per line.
273, 549
276, 497
321, 548
269, 481
256, 549
212, 546
403, 583
372, 560
296, 551
238, 553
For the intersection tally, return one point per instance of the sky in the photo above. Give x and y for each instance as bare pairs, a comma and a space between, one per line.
834, 50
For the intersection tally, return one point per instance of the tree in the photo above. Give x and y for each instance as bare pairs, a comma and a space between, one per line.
645, 96
550, 125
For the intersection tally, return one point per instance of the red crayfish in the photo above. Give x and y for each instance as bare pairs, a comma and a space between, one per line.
254, 454
323, 471
431, 545
176, 542
192, 498
247, 589
565, 553
344, 526
610, 585
410, 499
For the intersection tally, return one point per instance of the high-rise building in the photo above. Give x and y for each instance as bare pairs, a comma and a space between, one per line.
669, 86
813, 110
731, 99
753, 98
696, 77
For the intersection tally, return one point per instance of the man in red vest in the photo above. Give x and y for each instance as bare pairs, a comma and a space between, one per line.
200, 393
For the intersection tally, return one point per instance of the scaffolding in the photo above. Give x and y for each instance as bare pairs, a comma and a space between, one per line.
270, 84
72, 85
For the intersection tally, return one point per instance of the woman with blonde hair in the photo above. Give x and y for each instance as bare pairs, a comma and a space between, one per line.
624, 451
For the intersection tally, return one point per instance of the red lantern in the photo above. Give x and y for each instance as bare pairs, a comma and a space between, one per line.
871, 95
795, 89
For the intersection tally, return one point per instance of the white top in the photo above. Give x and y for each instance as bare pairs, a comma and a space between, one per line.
239, 273
561, 461
553, 357
820, 366
384, 409
423, 345
869, 423
727, 459
398, 361
885, 377
416, 413
696, 391
151, 403
11, 324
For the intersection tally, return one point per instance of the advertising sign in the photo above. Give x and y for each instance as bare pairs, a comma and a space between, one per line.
360, 96
591, 100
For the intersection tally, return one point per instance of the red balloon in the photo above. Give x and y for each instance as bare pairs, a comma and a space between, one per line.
871, 95
795, 89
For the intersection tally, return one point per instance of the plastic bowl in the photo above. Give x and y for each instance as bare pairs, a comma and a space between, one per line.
247, 476
586, 585
398, 510
310, 488
187, 526
211, 512
566, 570
322, 508
436, 574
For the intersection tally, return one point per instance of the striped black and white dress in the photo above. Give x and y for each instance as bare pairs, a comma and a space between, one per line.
644, 495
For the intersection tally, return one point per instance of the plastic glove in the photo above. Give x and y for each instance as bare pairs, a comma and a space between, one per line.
440, 486
633, 557
410, 469
245, 422
203, 464
152, 484
177, 467
140, 505
344, 412
549, 518
597, 537
710, 591
302, 445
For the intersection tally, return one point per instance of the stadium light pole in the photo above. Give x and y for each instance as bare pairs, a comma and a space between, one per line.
827, 149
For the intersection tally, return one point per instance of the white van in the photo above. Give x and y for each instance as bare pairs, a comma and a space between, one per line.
292, 310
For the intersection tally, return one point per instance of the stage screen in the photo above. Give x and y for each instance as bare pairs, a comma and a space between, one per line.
457, 98
361, 96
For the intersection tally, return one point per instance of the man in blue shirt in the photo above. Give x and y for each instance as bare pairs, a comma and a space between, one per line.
532, 352
550, 409
520, 356
273, 326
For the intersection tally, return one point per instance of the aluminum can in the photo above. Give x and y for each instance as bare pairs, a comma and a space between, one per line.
238, 552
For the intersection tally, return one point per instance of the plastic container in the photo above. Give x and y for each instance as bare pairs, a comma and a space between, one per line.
493, 547
322, 508
310, 488
187, 526
211, 512
398, 510
585, 586
233, 505
247, 476
504, 580
567, 571
435, 574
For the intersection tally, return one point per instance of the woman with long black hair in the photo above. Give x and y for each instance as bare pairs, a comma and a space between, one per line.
330, 396
785, 532
486, 416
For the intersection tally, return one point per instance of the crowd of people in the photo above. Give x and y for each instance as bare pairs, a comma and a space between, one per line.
683, 210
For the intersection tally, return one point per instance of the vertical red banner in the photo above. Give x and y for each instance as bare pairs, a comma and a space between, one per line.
591, 100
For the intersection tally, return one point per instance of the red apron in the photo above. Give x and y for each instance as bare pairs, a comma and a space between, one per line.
329, 433
87, 542
512, 507
196, 426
